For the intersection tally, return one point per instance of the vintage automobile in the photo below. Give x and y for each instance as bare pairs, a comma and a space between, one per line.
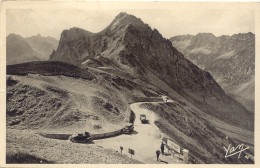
128, 129
143, 119
81, 138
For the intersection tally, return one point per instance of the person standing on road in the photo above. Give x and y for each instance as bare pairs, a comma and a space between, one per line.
162, 148
157, 154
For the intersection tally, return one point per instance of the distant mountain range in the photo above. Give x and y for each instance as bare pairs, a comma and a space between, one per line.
230, 59
34, 48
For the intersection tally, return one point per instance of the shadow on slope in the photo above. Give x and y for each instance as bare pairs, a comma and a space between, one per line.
49, 68
18, 158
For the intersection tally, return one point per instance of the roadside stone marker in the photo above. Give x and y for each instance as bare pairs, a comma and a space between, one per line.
174, 146
131, 151
121, 148
186, 155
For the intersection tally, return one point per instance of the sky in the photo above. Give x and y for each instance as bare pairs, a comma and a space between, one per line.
169, 22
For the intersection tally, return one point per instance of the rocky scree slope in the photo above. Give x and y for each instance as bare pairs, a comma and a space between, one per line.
132, 46
230, 59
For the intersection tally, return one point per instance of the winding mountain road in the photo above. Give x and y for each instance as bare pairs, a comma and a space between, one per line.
145, 139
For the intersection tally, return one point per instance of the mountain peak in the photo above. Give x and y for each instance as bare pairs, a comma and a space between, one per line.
122, 14
123, 19
74, 33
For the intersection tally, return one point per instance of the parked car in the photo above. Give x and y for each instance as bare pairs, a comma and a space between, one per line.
128, 128
143, 119
81, 138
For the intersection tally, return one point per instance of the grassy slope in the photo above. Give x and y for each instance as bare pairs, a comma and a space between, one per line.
55, 102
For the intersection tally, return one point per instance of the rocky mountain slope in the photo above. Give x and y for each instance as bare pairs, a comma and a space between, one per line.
230, 59
34, 48
131, 45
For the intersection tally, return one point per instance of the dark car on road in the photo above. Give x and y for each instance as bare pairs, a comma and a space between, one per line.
129, 128
81, 138
143, 119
